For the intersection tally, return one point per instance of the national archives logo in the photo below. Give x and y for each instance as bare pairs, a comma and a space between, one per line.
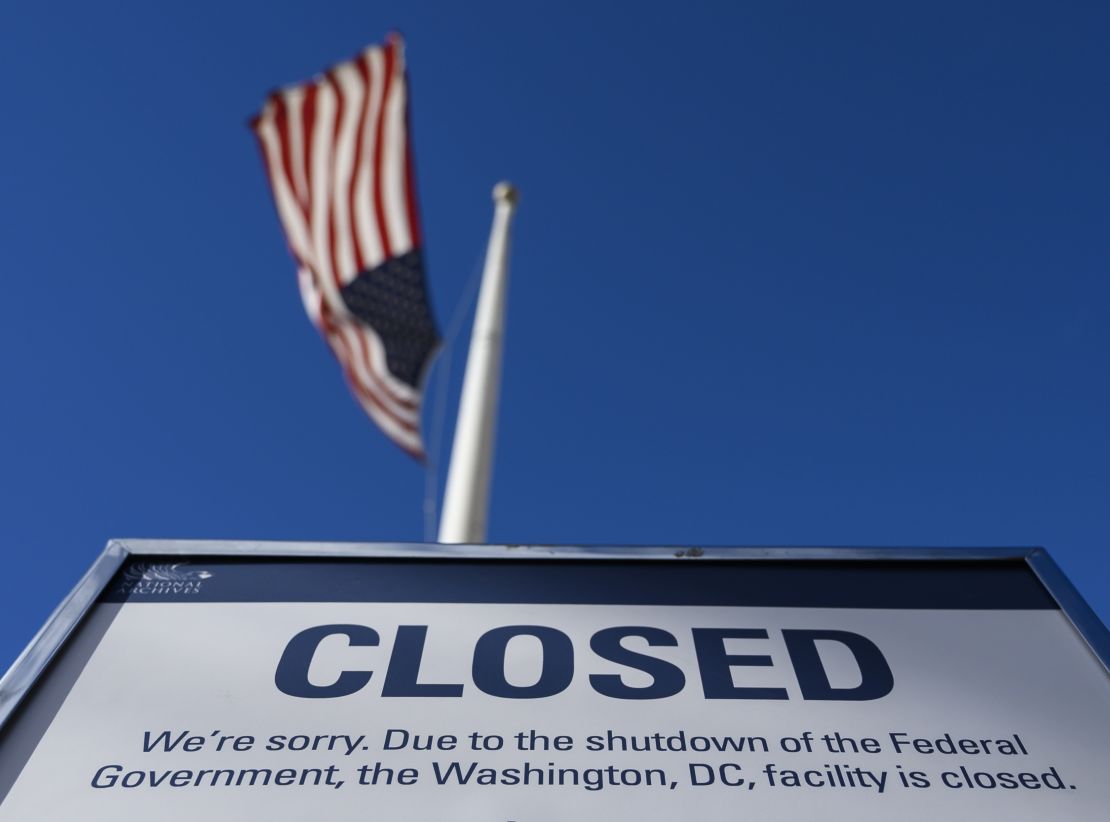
163, 578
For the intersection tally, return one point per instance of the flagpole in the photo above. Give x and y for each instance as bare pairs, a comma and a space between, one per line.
466, 498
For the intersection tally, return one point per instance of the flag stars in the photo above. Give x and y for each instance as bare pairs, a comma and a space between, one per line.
391, 299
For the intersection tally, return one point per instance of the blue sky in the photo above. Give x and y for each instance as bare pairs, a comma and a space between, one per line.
783, 273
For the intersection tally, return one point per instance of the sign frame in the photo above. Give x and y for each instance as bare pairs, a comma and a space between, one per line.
35, 660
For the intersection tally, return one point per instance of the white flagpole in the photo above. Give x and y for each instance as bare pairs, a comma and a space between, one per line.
466, 499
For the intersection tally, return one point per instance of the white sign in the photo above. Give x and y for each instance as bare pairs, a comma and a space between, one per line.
248, 702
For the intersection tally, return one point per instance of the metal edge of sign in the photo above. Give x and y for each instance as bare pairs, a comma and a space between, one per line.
411, 550
1082, 617
46, 644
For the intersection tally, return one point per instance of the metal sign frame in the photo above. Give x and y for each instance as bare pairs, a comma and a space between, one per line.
44, 647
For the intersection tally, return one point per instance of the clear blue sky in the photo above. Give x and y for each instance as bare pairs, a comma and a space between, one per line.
784, 273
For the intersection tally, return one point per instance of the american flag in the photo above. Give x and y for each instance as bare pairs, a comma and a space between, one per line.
339, 159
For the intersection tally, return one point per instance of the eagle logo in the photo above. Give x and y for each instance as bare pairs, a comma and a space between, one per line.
164, 572
162, 578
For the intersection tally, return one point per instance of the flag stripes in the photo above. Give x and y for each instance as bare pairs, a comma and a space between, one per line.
338, 157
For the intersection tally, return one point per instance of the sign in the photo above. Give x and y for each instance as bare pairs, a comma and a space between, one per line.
286, 682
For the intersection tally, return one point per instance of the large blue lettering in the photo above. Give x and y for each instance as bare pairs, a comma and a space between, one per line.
292, 670
715, 663
555, 674
877, 679
667, 679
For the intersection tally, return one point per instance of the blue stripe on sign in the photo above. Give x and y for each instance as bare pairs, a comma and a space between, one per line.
974, 585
